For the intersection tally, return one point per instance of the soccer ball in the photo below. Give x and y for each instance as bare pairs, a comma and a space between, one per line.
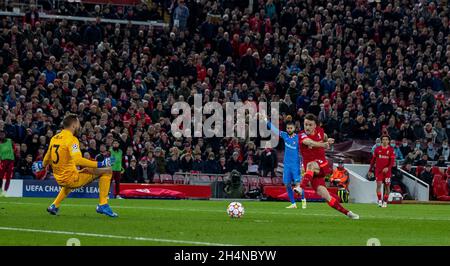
235, 210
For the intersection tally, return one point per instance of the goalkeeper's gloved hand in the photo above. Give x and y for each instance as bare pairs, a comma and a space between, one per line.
106, 162
37, 167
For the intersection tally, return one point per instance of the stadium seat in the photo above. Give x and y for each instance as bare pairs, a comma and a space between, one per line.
166, 179
437, 171
245, 181
419, 170
253, 182
440, 188
215, 178
397, 188
179, 179
156, 179
265, 181
205, 178
277, 181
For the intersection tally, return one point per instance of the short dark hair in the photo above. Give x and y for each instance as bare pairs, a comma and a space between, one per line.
290, 123
386, 136
312, 117
69, 119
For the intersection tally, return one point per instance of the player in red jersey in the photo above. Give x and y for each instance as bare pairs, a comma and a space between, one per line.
313, 142
383, 160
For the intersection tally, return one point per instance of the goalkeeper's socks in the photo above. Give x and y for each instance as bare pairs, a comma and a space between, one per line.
337, 206
379, 196
290, 193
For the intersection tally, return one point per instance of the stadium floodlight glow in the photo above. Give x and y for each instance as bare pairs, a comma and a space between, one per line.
241, 120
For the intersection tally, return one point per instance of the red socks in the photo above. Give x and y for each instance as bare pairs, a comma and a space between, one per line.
308, 174
386, 197
336, 205
379, 195
307, 177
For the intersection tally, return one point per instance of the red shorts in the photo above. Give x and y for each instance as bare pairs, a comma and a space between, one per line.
318, 179
385, 178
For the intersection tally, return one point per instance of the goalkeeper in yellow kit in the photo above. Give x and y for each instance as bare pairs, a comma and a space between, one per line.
64, 156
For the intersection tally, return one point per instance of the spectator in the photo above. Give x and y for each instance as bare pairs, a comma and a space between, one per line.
430, 132
250, 167
268, 162
408, 168
173, 164
398, 153
160, 161
223, 167
181, 15
441, 135
211, 165
145, 170
427, 177
235, 164
405, 149
198, 165
23, 168
32, 16
151, 166
186, 162
132, 174
423, 161
360, 128
441, 162
444, 150
431, 152
377, 143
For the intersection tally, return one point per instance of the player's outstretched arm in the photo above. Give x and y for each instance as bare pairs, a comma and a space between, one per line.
78, 159
273, 128
315, 144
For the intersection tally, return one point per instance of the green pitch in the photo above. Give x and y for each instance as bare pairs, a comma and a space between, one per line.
24, 221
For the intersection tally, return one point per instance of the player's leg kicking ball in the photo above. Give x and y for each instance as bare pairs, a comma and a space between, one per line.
313, 176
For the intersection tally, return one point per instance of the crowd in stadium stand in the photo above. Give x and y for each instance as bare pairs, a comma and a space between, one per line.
365, 68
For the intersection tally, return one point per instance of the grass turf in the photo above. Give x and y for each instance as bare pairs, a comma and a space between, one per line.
24, 221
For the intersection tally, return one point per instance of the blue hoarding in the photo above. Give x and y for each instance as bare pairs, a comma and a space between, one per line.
49, 188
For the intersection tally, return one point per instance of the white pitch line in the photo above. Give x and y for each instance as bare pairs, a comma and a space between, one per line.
112, 236
256, 212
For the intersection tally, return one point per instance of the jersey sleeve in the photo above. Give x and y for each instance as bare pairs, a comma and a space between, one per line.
75, 153
275, 130
47, 158
302, 137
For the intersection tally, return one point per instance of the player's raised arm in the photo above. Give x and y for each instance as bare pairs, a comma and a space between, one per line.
273, 128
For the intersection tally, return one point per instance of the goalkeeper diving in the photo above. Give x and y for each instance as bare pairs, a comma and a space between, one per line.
64, 156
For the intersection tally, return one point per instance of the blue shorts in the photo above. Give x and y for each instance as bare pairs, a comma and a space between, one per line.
291, 175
